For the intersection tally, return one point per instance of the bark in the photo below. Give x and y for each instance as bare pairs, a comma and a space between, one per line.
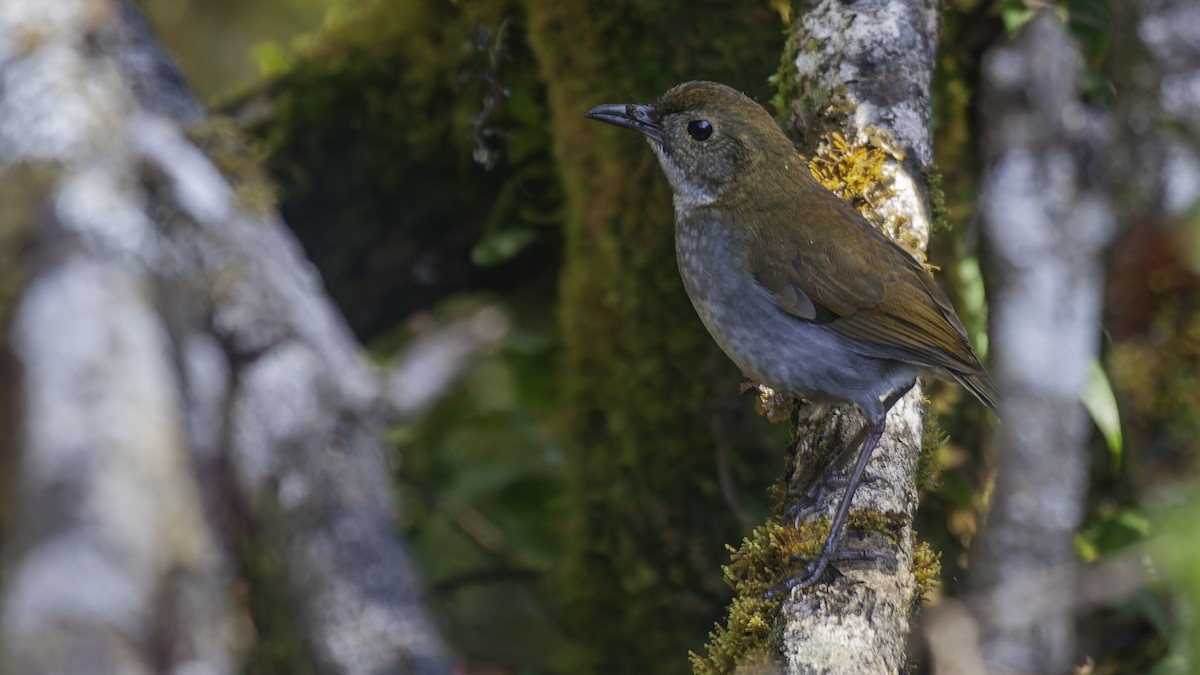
1046, 220
178, 361
1157, 163
864, 70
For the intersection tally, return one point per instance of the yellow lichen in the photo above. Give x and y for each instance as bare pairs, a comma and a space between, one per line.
861, 173
852, 172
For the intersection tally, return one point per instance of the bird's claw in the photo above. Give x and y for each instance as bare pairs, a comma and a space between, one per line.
812, 572
815, 569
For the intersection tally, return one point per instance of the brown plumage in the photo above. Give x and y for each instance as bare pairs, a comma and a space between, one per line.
795, 286
874, 291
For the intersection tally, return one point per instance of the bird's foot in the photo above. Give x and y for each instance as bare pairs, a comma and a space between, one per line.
816, 569
810, 575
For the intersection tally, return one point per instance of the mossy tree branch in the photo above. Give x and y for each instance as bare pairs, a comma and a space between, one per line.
864, 70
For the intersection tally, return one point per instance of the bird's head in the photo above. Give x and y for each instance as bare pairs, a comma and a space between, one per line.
709, 138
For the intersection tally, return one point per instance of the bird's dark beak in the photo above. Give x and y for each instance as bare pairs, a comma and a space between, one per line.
641, 118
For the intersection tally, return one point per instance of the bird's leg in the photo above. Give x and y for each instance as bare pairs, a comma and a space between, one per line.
816, 567
869, 435
843, 458
819, 488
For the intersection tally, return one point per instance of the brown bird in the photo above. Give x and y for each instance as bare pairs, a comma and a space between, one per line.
800, 291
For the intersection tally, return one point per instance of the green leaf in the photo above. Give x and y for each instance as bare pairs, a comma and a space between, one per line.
271, 58
974, 303
500, 246
1111, 531
1014, 14
1101, 404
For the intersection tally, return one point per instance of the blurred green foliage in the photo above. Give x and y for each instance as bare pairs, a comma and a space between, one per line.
411, 146
663, 467
216, 42
1177, 549
479, 478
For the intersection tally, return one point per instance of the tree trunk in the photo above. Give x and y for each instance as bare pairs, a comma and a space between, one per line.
864, 70
177, 360
1046, 220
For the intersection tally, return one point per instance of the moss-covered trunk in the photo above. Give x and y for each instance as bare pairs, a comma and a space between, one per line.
647, 517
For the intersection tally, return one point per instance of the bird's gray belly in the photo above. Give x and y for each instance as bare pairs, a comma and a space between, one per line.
788, 354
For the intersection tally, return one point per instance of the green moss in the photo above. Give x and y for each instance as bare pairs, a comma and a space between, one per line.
887, 523
641, 377
752, 627
400, 139
786, 89
932, 440
240, 158
279, 647
939, 213
748, 640
927, 569
809, 113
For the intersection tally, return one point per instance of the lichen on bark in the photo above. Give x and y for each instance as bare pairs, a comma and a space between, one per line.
863, 73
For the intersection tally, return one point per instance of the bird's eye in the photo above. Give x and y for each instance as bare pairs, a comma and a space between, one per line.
699, 130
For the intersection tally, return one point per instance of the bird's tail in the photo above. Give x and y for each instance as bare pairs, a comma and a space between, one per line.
980, 384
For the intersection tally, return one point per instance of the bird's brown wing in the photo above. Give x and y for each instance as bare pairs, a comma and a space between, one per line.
868, 288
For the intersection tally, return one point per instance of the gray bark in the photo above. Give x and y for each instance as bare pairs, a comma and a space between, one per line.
864, 69
1046, 220
178, 360
1157, 162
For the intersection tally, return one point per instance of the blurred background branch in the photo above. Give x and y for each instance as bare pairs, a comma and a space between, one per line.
1046, 220
171, 342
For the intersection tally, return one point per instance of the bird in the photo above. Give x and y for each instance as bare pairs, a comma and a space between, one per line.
794, 285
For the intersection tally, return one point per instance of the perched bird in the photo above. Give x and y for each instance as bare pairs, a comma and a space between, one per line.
800, 291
